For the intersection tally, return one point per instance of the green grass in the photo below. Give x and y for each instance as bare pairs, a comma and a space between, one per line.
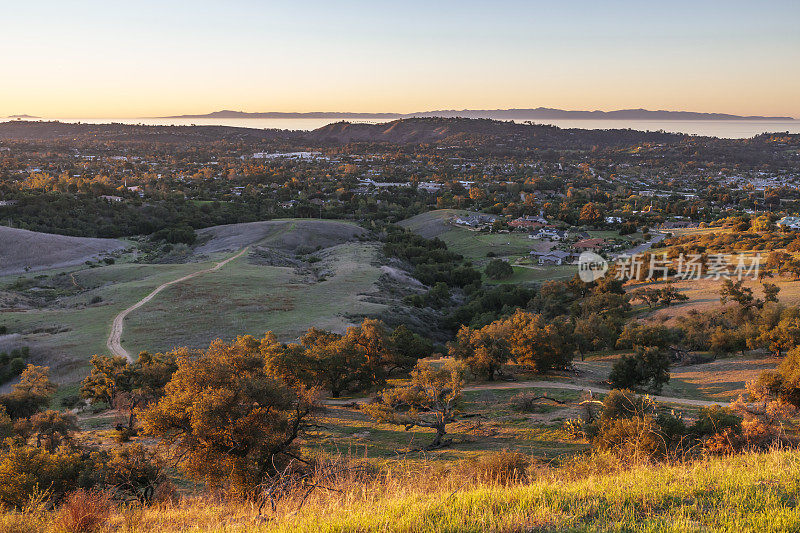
474, 245
539, 274
65, 336
244, 298
241, 298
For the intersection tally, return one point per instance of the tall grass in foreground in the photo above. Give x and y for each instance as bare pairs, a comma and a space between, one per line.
750, 492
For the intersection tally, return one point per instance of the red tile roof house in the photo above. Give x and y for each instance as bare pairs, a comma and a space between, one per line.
522, 223
589, 244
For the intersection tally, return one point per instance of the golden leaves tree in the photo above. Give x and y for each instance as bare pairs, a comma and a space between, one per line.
430, 400
227, 417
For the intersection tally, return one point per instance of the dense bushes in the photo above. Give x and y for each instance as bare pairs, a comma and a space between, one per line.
635, 427
90, 216
489, 304
499, 269
12, 364
647, 368
39, 458
432, 262
175, 235
526, 338
24, 470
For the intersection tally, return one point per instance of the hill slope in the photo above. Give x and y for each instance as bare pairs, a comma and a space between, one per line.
21, 249
285, 235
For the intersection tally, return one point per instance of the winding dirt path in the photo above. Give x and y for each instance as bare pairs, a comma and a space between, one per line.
551, 385
114, 343
579, 387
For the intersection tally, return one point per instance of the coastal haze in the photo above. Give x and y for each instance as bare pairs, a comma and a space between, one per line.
730, 127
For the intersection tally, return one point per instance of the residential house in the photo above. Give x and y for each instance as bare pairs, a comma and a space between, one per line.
528, 222
592, 245
551, 234
475, 221
553, 257
790, 223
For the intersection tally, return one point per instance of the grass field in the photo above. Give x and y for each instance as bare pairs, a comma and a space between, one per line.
493, 425
720, 380
746, 493
704, 294
244, 298
281, 234
66, 334
324, 289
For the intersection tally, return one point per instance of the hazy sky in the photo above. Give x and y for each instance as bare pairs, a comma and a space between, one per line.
148, 58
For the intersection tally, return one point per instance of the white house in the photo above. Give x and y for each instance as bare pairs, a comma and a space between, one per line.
553, 257
551, 234
792, 223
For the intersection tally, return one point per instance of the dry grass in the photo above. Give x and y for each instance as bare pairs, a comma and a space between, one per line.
23, 249
288, 235
85, 511
752, 492
704, 295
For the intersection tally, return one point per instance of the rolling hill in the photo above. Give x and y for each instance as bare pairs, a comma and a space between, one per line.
22, 250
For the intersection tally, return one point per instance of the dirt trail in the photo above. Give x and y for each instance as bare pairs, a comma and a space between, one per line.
575, 386
552, 385
115, 338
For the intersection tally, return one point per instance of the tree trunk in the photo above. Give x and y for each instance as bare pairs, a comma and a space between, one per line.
440, 433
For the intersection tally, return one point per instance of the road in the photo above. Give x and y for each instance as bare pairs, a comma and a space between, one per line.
114, 343
657, 237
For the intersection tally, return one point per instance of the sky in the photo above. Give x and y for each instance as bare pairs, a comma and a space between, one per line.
109, 59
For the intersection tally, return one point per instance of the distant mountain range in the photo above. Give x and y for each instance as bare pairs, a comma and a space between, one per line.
21, 116
540, 113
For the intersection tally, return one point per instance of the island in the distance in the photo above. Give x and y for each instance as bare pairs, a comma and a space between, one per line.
22, 116
539, 113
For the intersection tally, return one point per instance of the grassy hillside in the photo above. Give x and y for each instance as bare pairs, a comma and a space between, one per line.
22, 250
252, 298
753, 492
297, 273
283, 234
473, 245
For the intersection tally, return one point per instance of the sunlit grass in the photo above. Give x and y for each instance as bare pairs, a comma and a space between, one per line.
751, 492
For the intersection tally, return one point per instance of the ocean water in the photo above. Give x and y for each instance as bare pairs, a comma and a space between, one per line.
731, 129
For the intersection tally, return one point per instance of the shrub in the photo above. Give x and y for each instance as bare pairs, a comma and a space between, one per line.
71, 401
135, 472
501, 468
85, 511
26, 470
630, 426
624, 403
715, 419
637, 437
647, 368
499, 269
